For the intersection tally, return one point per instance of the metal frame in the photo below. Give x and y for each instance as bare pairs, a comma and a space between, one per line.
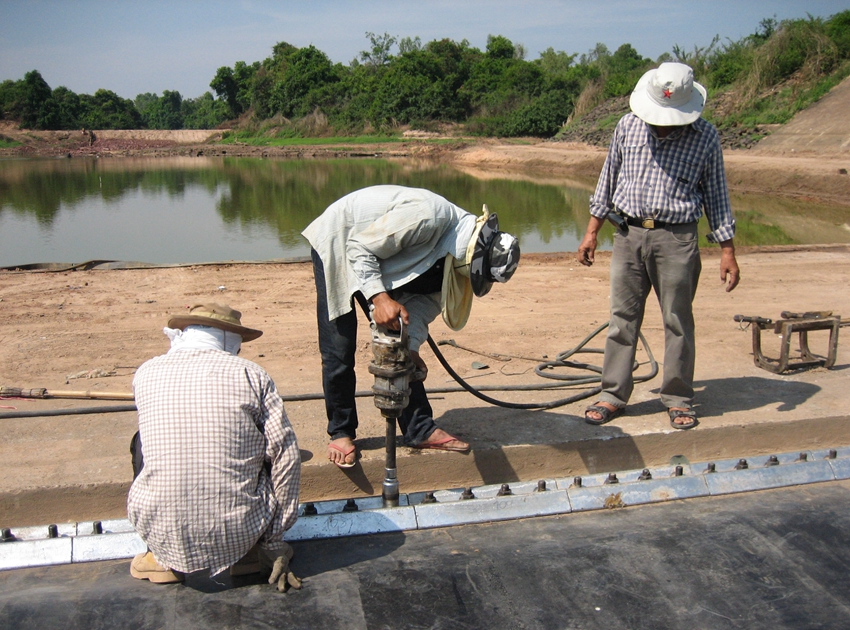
785, 328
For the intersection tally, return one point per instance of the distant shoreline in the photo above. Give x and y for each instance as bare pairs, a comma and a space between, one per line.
798, 174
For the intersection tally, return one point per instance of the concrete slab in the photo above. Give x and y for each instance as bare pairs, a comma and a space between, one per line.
821, 128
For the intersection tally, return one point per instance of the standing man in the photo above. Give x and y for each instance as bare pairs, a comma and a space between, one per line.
664, 166
406, 254
221, 469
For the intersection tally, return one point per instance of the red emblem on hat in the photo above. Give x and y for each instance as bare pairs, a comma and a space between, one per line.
667, 93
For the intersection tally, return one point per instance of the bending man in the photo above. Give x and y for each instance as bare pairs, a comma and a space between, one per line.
408, 254
221, 469
664, 166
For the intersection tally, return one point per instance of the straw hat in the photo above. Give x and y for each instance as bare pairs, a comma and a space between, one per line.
668, 96
215, 315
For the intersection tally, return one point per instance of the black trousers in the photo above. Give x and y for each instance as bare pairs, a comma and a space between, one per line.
337, 345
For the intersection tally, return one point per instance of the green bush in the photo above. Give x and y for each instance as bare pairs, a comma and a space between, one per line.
728, 65
540, 118
837, 29
764, 77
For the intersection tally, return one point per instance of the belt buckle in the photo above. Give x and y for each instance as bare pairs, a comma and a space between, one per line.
649, 224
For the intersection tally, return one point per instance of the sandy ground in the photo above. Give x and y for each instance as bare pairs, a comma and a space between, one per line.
72, 331
88, 330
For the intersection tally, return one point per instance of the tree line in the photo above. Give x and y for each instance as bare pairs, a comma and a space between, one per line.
299, 92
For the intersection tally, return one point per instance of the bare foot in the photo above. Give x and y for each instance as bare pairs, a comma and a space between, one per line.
442, 441
595, 415
342, 452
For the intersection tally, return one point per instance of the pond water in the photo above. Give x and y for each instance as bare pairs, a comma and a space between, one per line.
191, 210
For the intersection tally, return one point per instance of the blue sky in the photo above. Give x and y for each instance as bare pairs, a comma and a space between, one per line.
138, 46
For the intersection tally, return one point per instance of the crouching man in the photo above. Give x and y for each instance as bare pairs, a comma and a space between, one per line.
217, 485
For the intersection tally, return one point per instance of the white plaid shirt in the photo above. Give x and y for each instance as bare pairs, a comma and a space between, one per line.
379, 238
208, 422
669, 180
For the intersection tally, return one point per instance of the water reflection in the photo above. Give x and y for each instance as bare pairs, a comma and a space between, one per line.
175, 210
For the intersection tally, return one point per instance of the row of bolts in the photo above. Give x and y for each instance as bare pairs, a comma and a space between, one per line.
505, 490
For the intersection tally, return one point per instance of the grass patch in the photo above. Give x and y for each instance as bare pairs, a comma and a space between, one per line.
8, 143
609, 122
751, 229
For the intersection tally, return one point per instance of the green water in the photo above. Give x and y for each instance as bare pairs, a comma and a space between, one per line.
184, 210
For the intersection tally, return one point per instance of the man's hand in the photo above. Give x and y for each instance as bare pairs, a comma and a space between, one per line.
587, 248
387, 311
421, 372
730, 275
277, 562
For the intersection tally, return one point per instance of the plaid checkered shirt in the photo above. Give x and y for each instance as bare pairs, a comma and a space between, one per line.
212, 425
670, 180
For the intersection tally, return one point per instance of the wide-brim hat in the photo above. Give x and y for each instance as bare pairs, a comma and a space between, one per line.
668, 96
215, 315
494, 258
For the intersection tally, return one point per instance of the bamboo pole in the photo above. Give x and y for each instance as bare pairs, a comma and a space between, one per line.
17, 392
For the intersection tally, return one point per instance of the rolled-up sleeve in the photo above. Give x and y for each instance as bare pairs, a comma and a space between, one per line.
423, 309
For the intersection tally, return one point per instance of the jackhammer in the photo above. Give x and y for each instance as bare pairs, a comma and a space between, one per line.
392, 366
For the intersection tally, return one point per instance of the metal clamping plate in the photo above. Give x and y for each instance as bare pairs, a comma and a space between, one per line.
370, 518
22, 554
665, 485
524, 501
840, 464
117, 540
107, 546
758, 476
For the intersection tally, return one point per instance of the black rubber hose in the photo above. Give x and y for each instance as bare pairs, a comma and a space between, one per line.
560, 361
68, 412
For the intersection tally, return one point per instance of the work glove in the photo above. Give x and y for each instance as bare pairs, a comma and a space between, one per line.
277, 562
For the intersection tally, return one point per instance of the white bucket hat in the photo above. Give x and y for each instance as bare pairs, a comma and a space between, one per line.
668, 96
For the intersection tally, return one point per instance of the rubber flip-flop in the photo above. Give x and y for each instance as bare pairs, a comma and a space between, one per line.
606, 414
674, 414
345, 454
440, 445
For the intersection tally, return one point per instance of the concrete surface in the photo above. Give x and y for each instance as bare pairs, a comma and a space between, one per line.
770, 560
821, 128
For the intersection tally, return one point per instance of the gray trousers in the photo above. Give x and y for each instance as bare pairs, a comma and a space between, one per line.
666, 260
